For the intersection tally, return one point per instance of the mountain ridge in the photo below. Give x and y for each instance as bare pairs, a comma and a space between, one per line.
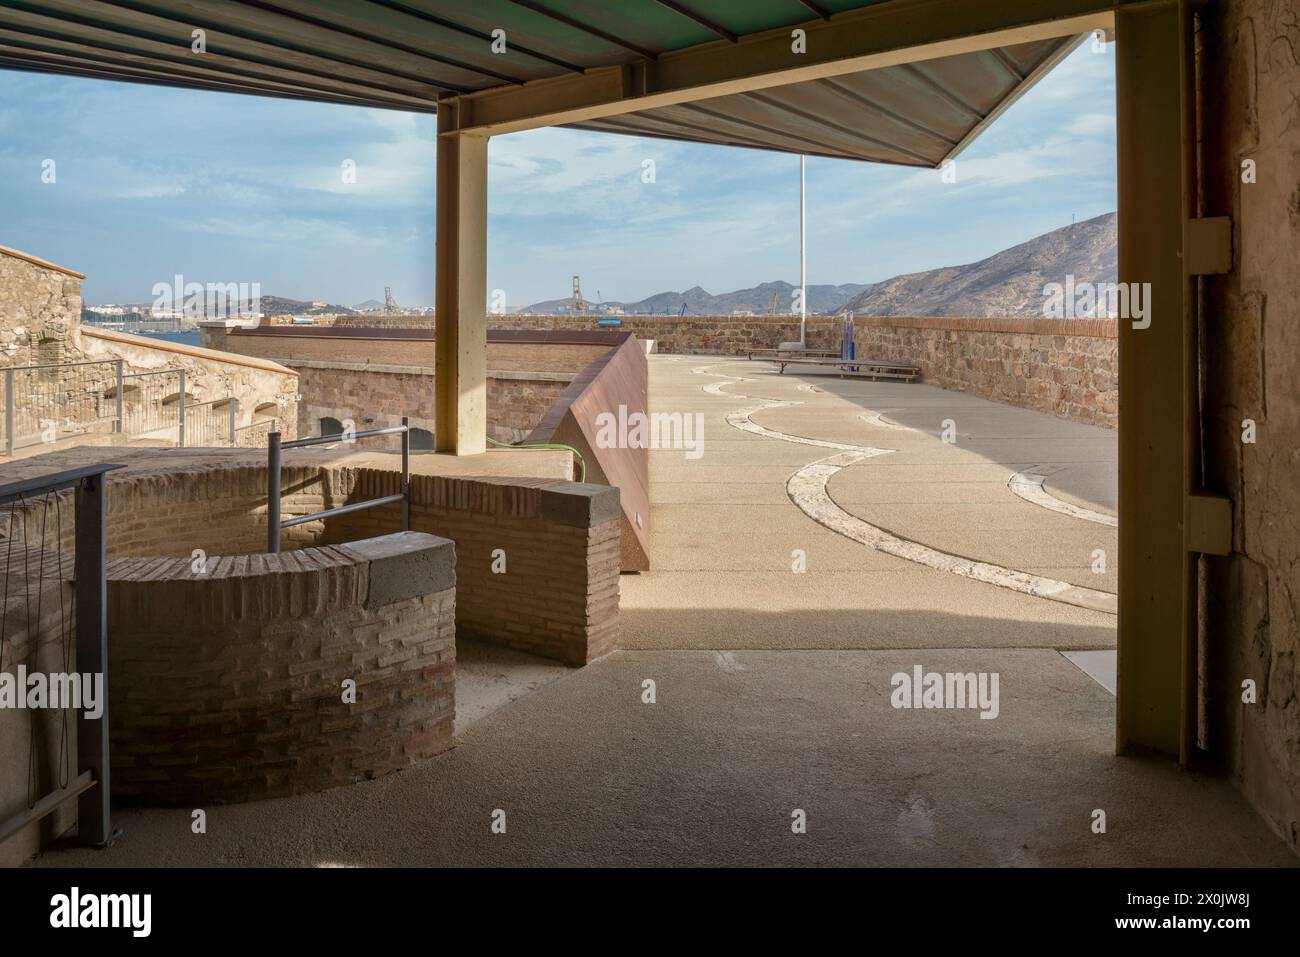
1008, 283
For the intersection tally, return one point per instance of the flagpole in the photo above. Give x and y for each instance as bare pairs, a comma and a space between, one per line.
803, 256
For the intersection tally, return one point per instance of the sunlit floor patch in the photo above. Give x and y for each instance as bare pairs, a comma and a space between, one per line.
807, 489
1100, 666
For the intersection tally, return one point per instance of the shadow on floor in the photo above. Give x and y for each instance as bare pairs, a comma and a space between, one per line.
863, 628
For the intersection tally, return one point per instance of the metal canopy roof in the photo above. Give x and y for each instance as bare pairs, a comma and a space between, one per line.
407, 54
913, 115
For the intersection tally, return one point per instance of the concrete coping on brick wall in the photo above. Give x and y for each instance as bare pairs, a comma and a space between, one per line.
394, 369
569, 337
401, 566
573, 504
405, 565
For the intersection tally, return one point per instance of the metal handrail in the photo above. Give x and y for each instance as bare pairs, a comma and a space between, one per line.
91, 786
343, 436
275, 525
118, 382
64, 365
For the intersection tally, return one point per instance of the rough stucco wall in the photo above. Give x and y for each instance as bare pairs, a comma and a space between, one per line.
207, 379
1249, 53
36, 303
40, 322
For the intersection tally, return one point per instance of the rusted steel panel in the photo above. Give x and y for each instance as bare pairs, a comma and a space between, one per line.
618, 378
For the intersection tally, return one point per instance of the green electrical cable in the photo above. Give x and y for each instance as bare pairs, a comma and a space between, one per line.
582, 463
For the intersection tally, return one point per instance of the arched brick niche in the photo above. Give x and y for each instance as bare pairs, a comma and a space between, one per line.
227, 683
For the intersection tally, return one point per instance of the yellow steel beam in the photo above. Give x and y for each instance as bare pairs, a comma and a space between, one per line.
1156, 706
460, 345
901, 31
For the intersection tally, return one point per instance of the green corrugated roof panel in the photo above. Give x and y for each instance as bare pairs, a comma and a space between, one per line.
405, 54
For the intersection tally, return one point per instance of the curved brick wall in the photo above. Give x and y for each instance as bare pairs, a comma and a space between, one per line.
225, 679
559, 597
227, 685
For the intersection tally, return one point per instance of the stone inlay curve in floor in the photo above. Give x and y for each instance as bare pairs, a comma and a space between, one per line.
1029, 486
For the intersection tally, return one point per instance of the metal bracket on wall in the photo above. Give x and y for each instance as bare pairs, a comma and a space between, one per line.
1209, 245
1209, 523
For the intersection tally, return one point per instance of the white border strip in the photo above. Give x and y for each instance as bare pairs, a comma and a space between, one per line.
1029, 486
807, 489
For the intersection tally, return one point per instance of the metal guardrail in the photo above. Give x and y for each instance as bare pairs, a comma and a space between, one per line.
275, 525
211, 423
90, 560
100, 396
249, 436
63, 396
143, 402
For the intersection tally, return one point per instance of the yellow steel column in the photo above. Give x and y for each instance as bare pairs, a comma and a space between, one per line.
460, 350
1157, 660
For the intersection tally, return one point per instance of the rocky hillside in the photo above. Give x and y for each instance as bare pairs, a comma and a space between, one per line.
1009, 283
700, 302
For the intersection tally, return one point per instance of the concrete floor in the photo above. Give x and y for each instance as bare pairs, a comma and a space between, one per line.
773, 688
711, 773
724, 528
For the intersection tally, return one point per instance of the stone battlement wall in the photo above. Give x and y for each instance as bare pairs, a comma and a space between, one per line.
1068, 367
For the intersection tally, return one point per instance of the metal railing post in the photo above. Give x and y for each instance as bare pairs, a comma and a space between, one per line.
234, 417
406, 476
9, 412
273, 493
90, 557
121, 389
181, 433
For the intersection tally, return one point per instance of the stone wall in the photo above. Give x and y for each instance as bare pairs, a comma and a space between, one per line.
374, 376
228, 685
1068, 367
1251, 84
518, 401
389, 346
40, 306
40, 323
376, 396
695, 335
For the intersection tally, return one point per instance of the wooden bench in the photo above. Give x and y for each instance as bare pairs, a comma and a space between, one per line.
795, 353
866, 368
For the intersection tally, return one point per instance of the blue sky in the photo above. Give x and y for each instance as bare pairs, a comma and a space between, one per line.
151, 182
